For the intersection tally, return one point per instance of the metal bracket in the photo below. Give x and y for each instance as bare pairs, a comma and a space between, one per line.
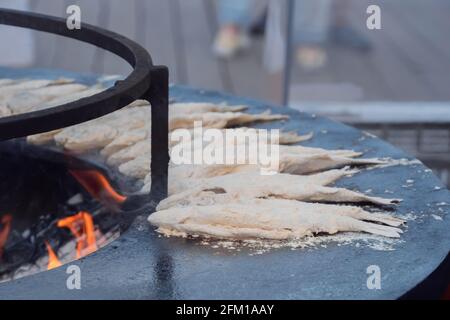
158, 96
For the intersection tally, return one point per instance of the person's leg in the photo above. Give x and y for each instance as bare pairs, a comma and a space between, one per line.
311, 27
342, 33
234, 17
233, 12
312, 21
18, 48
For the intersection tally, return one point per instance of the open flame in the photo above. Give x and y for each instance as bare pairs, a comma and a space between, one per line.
98, 186
53, 261
82, 227
5, 228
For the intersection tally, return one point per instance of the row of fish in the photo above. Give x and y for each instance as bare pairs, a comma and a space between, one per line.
218, 200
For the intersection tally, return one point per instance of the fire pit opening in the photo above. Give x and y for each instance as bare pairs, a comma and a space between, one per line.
53, 209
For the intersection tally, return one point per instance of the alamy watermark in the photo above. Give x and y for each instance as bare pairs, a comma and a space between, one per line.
241, 146
374, 279
73, 281
373, 22
73, 21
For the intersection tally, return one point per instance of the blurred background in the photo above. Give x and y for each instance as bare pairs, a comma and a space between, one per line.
393, 80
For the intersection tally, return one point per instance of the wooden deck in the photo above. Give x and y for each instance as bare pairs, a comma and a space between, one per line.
410, 60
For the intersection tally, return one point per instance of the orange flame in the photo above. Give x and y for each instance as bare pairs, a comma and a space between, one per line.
53, 261
4, 232
82, 227
98, 186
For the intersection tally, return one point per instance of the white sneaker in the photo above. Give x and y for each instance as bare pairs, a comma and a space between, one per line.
311, 58
229, 42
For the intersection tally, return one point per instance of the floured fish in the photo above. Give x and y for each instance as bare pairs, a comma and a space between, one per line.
4, 111
138, 103
74, 96
98, 133
312, 188
201, 107
11, 89
140, 149
36, 99
285, 138
221, 120
137, 168
4, 82
124, 140
271, 219
84, 138
43, 138
47, 137
288, 163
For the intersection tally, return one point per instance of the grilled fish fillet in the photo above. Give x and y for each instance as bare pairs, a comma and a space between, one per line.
131, 118
12, 88
285, 138
140, 149
132, 144
201, 107
69, 97
221, 120
305, 164
47, 137
4, 111
291, 137
85, 137
137, 168
58, 90
125, 140
98, 133
238, 136
235, 138
37, 99
43, 138
312, 188
271, 219
4, 82
288, 163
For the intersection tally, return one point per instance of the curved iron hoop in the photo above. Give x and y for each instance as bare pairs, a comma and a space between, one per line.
116, 97
146, 81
